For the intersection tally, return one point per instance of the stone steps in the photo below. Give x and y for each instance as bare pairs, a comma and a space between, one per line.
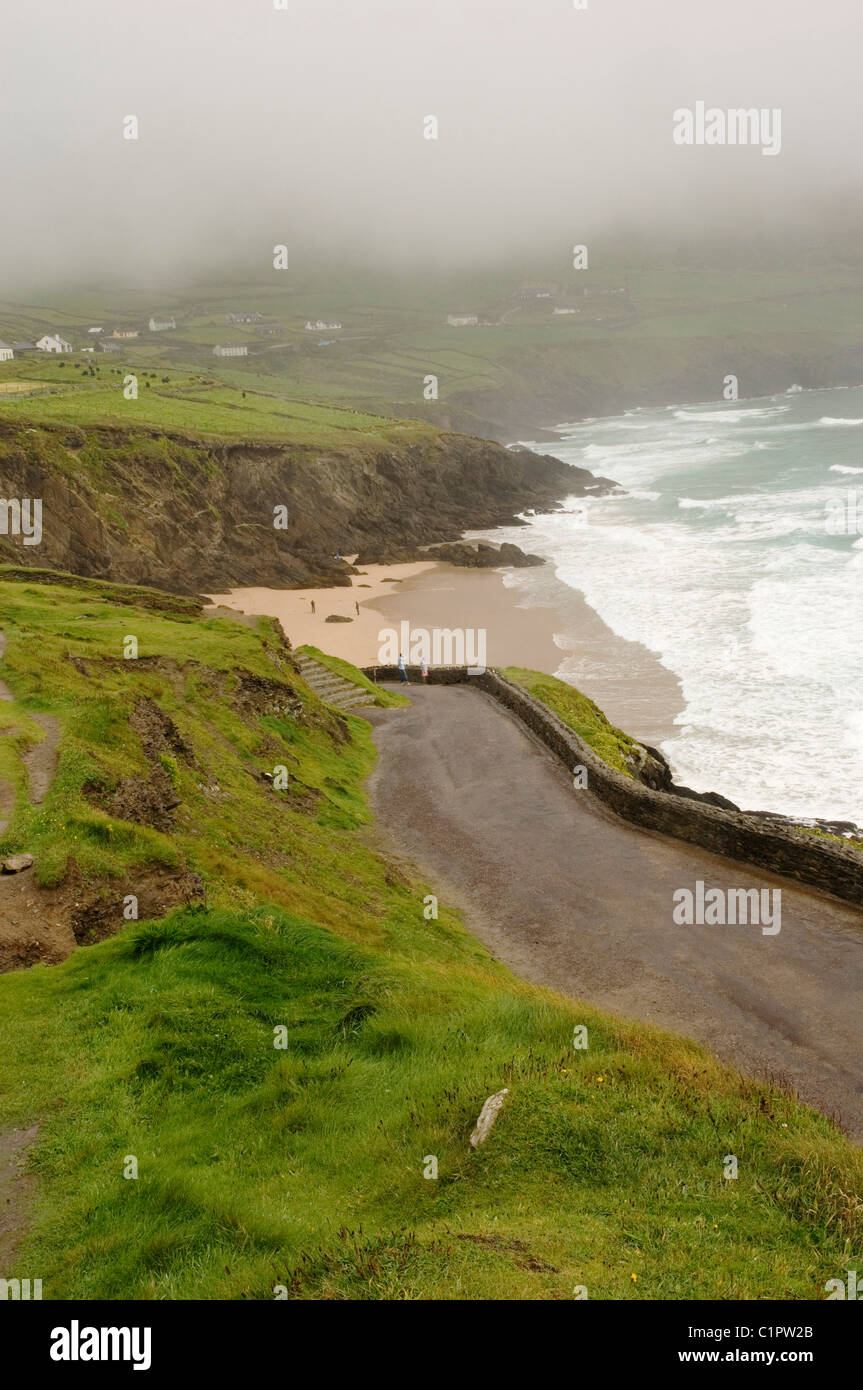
334, 690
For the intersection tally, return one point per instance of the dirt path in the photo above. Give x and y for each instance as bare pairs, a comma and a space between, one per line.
7, 792
16, 1191
569, 896
41, 760
34, 925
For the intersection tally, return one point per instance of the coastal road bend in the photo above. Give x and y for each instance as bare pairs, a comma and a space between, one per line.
571, 897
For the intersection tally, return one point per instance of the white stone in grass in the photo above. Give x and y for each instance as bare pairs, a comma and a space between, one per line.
487, 1117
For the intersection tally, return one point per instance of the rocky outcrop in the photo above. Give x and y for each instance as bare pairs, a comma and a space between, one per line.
481, 555
143, 508
651, 768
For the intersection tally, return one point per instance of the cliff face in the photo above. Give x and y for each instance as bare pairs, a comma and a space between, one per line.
605, 377
181, 514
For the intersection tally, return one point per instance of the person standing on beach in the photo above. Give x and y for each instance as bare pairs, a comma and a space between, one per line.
313, 605
357, 607
403, 670
424, 671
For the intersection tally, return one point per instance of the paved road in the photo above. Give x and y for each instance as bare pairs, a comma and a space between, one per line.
571, 897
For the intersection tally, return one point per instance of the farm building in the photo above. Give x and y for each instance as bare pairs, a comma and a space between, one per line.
159, 325
320, 327
125, 333
6, 353
52, 342
462, 320
24, 347
231, 350
254, 317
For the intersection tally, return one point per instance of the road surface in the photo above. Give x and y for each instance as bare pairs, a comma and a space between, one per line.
570, 897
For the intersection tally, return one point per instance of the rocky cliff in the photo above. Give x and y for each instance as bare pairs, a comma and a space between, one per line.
177, 513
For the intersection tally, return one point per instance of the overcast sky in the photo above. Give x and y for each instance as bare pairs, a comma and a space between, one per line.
304, 126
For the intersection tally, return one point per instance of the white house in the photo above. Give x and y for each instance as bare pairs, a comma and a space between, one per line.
462, 320
321, 327
52, 342
231, 350
159, 325
6, 353
94, 330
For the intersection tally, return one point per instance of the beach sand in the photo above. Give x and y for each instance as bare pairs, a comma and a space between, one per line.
625, 679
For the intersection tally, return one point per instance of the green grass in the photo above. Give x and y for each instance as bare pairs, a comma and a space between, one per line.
580, 713
193, 407
303, 1167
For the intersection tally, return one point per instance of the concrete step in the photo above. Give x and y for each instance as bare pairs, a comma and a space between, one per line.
332, 689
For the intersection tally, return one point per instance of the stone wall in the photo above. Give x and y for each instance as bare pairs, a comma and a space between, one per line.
821, 864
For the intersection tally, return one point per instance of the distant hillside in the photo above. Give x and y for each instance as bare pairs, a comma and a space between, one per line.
626, 335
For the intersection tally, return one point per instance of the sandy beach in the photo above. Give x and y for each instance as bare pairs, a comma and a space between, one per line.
625, 679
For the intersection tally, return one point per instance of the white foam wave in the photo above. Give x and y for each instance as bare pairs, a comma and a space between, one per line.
730, 417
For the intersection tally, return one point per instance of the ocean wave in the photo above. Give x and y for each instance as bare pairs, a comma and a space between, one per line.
843, 468
731, 417
710, 503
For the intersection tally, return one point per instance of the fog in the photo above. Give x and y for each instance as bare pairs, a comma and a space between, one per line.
305, 126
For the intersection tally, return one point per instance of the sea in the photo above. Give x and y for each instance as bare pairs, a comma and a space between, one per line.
735, 553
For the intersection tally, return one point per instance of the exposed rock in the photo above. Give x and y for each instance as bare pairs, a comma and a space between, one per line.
157, 731
650, 767
97, 915
146, 802
187, 515
16, 862
337, 618
487, 1117
257, 696
481, 555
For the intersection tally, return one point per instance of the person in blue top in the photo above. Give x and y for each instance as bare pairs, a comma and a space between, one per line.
403, 670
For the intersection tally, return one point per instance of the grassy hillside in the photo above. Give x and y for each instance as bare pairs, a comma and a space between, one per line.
66, 392
672, 337
303, 1166
580, 713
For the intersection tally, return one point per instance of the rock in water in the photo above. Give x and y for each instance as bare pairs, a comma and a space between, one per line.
487, 1117
16, 862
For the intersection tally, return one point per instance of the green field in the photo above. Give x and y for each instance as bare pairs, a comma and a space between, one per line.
394, 335
180, 403
304, 1167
